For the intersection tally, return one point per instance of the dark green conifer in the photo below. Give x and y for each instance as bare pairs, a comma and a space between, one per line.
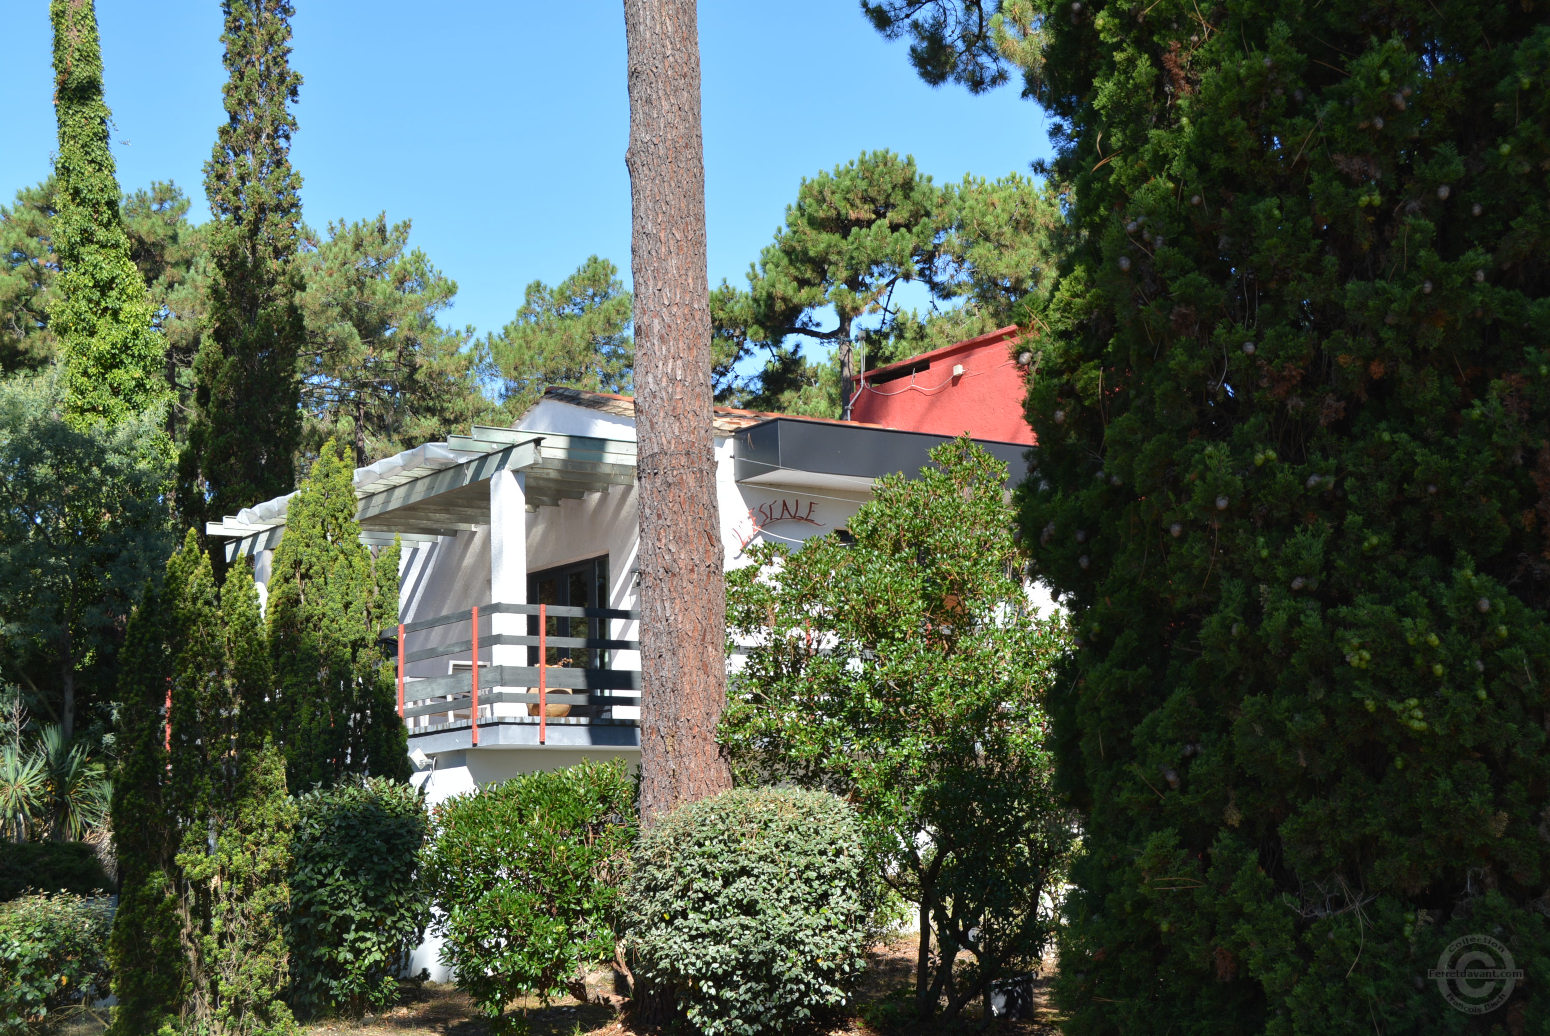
1294, 481
335, 704
239, 875
144, 951
243, 434
201, 813
99, 312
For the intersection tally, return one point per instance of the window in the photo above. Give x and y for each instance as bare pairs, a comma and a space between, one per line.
583, 584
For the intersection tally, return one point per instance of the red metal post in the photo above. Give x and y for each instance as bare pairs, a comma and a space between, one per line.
474, 715
543, 660
400, 670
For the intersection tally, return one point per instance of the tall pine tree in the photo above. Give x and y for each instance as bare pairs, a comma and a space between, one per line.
683, 593
243, 434
380, 371
335, 706
1294, 480
837, 275
576, 333
99, 312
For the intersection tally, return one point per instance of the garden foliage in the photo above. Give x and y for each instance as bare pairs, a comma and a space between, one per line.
750, 909
906, 671
1293, 413
53, 954
358, 906
83, 526
71, 867
144, 949
525, 877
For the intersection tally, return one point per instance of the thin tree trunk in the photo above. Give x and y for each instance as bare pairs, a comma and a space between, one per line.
923, 1004
67, 684
682, 592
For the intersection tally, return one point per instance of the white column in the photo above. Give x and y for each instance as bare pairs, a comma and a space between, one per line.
508, 560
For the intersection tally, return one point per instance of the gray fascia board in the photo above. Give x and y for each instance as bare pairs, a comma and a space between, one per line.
516, 456
857, 451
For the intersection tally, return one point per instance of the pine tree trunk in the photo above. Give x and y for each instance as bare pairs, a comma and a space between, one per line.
683, 595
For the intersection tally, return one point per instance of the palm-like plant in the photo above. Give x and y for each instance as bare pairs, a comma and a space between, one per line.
23, 785
76, 786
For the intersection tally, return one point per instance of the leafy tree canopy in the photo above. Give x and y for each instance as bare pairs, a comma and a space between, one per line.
950, 40
576, 333
836, 274
379, 372
83, 520
168, 251
27, 272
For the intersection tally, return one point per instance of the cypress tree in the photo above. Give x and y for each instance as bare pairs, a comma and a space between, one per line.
144, 950
335, 707
201, 813
244, 430
1294, 483
100, 312
236, 819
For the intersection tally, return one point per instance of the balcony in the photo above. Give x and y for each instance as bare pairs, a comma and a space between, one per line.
509, 676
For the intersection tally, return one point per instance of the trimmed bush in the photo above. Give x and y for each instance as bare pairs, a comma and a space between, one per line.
53, 954
50, 867
358, 906
751, 909
525, 878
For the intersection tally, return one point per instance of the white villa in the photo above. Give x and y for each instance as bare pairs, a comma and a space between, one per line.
506, 524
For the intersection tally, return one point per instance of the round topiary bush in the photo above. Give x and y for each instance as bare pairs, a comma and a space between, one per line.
750, 909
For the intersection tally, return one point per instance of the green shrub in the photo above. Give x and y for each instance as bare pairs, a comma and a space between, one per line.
358, 906
906, 669
751, 909
53, 953
525, 877
51, 867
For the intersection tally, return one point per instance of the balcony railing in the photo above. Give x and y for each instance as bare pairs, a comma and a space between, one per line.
569, 681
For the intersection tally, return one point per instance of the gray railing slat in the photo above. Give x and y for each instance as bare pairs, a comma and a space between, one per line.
494, 678
559, 611
463, 647
464, 702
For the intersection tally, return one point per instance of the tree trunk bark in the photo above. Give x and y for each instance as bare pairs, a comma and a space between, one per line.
67, 685
682, 590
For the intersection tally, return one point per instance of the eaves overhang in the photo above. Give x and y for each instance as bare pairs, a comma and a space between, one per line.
441, 489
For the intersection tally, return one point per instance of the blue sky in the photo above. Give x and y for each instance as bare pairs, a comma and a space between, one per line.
500, 128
